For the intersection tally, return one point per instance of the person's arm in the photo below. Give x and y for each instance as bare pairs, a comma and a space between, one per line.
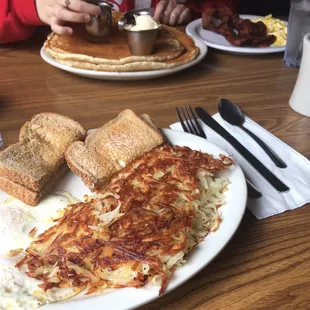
18, 20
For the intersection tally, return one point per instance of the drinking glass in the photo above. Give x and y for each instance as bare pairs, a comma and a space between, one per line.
298, 26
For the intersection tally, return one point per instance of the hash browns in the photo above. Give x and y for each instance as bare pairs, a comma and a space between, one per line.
124, 235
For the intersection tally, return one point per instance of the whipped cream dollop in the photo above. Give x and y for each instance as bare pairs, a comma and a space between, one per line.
144, 22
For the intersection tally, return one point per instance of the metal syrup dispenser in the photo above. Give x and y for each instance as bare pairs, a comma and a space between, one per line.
99, 26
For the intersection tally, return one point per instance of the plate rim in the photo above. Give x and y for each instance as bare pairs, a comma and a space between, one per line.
191, 29
135, 75
145, 296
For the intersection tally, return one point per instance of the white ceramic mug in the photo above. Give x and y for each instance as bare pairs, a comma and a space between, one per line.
300, 98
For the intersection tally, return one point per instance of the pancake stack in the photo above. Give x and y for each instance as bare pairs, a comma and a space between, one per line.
172, 49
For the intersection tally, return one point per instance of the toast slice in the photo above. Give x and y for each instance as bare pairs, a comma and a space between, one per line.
29, 196
33, 160
111, 147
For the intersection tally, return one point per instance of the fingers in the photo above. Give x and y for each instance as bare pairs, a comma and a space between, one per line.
81, 7
57, 27
64, 14
167, 13
171, 13
75, 11
185, 16
160, 8
176, 14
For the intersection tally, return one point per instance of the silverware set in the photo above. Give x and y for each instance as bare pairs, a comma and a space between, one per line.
233, 115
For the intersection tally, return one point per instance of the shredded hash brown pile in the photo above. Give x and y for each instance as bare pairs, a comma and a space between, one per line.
120, 236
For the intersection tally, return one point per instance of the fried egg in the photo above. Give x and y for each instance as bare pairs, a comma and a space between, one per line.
19, 226
274, 26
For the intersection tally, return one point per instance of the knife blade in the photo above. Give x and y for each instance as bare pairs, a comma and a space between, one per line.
253, 191
255, 163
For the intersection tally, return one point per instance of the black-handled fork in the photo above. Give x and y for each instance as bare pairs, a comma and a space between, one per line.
191, 125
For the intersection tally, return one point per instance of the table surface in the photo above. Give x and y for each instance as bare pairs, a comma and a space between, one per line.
267, 263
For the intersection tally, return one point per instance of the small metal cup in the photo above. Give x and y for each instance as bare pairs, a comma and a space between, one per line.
129, 18
142, 43
99, 26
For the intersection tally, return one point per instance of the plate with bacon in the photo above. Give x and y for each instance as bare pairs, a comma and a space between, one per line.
222, 29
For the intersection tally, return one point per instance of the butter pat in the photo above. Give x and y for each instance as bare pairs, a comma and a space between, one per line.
144, 22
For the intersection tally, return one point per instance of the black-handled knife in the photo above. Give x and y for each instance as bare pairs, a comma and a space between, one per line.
265, 172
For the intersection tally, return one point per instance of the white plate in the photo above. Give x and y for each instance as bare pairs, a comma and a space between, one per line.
200, 257
122, 76
216, 40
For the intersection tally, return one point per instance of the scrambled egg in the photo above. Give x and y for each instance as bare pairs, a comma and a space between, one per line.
274, 26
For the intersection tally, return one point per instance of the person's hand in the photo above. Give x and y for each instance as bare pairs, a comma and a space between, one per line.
57, 12
171, 13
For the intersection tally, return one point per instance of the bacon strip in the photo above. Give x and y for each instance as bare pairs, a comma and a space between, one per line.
237, 31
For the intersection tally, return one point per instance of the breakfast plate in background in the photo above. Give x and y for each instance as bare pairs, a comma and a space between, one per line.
122, 76
231, 214
217, 41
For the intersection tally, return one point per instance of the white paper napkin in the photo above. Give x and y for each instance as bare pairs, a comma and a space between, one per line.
296, 176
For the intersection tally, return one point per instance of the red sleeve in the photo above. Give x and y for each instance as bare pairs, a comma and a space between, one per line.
18, 20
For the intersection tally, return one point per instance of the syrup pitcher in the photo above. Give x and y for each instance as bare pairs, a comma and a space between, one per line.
99, 26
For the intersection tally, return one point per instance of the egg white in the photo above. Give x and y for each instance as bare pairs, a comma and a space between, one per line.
17, 220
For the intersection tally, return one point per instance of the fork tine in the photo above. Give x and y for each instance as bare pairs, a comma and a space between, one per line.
187, 121
201, 133
181, 120
194, 129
